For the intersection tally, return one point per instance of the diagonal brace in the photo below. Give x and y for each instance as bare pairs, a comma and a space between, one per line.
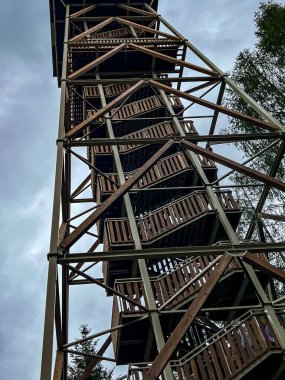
95, 28
122, 190
167, 58
100, 113
265, 267
94, 361
214, 106
106, 287
165, 354
96, 62
266, 179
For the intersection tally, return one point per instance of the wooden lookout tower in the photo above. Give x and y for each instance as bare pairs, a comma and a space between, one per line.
142, 191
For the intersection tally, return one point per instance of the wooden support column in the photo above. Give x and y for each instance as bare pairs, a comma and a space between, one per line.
58, 365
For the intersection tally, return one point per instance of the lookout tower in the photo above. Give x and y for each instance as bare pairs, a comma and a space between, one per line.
141, 109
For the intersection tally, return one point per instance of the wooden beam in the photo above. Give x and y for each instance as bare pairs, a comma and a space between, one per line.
214, 106
122, 190
113, 291
175, 338
265, 266
78, 266
75, 131
92, 30
83, 11
136, 10
266, 179
167, 58
61, 232
200, 87
96, 62
94, 361
80, 187
277, 218
58, 365
147, 29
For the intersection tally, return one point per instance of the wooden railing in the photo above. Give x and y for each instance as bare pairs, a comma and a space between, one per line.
111, 43
118, 232
167, 285
163, 129
178, 213
164, 169
236, 348
169, 217
110, 90
115, 33
140, 107
229, 352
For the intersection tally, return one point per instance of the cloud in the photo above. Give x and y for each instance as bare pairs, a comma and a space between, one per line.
29, 102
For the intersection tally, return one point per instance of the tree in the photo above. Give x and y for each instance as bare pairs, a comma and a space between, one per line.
270, 30
260, 73
80, 363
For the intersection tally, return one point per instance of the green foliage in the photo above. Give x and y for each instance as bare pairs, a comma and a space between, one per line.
261, 73
270, 29
80, 363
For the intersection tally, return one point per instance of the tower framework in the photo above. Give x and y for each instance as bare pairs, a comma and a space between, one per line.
140, 111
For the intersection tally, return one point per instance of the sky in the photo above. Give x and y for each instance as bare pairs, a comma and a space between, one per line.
29, 103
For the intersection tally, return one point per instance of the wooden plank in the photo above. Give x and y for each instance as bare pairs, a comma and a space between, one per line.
83, 11
80, 187
266, 179
265, 266
130, 295
201, 366
147, 29
75, 131
100, 352
95, 216
58, 365
168, 349
213, 106
209, 367
228, 355
136, 10
194, 369
167, 58
96, 62
278, 218
158, 295
236, 358
223, 360
259, 337
92, 30
254, 340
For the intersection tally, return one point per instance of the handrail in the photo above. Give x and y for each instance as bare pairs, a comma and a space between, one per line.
214, 338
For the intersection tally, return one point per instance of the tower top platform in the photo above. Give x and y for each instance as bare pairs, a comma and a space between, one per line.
104, 8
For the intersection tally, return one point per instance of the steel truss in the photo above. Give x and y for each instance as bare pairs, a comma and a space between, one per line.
127, 93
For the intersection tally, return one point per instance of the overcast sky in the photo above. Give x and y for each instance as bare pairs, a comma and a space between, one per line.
29, 101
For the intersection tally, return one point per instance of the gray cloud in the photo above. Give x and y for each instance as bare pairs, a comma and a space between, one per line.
29, 101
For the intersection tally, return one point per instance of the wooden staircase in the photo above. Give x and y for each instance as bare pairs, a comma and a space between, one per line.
157, 225
246, 348
173, 170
